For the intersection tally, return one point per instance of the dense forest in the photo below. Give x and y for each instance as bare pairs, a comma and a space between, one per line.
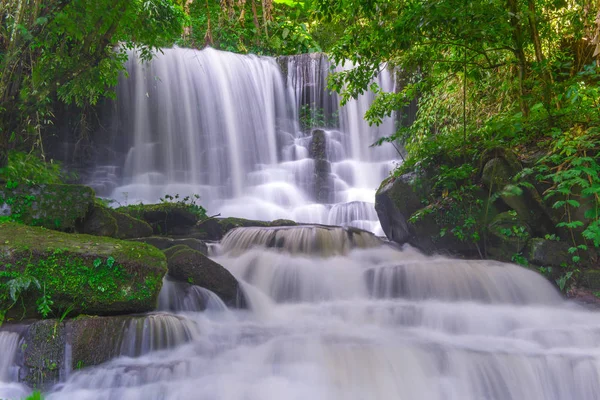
520, 75
499, 159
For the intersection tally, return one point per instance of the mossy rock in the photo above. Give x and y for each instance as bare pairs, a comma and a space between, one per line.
283, 222
169, 252
129, 227
193, 267
507, 235
92, 341
99, 222
81, 273
497, 175
590, 279
548, 253
164, 218
164, 243
58, 207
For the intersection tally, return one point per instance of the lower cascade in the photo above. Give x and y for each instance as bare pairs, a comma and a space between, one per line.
366, 321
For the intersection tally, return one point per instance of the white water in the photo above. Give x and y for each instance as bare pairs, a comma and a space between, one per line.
320, 328
226, 127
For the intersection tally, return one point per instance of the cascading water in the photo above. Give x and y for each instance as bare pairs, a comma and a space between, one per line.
367, 322
226, 127
9, 346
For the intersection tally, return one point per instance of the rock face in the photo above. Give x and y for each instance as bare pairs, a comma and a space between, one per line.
76, 274
194, 267
92, 341
59, 207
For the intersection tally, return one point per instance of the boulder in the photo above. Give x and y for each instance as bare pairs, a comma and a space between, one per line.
323, 182
58, 207
99, 222
395, 202
164, 218
548, 253
318, 145
497, 175
172, 250
129, 227
507, 235
91, 341
76, 273
590, 279
164, 243
194, 267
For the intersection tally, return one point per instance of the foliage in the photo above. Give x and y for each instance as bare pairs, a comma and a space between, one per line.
311, 116
258, 27
487, 74
70, 51
188, 202
28, 169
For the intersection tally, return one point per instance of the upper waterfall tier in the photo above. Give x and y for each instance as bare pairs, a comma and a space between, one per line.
228, 127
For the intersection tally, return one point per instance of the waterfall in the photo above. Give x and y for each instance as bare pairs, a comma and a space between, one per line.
363, 321
228, 128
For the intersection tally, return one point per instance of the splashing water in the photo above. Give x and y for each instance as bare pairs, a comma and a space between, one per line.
368, 323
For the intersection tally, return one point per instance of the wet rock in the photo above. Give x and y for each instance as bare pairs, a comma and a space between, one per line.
395, 202
216, 228
194, 267
81, 273
318, 145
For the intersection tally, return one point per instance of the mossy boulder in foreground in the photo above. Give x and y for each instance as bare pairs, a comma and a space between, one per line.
79, 274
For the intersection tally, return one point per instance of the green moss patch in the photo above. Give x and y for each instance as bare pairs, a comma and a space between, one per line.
77, 273
58, 207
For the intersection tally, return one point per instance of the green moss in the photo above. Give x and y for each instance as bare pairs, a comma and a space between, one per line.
172, 250
87, 274
58, 207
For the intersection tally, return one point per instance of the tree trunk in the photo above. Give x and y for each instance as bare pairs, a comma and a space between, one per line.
539, 56
517, 33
